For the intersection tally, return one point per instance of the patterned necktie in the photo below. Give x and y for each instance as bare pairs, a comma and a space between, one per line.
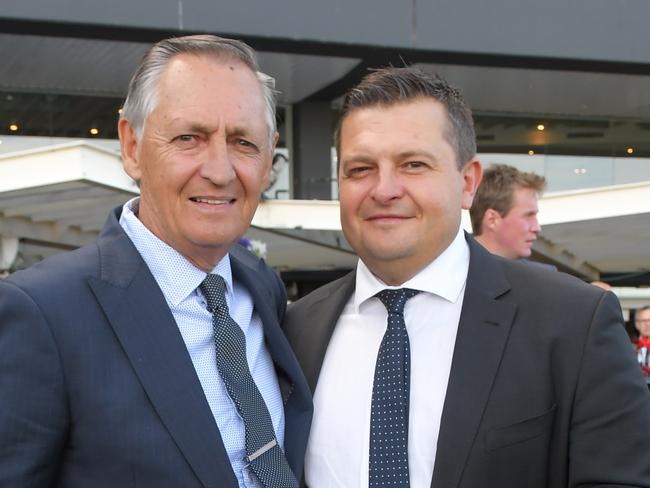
263, 453
389, 421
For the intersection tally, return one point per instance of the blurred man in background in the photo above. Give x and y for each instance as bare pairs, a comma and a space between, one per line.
504, 211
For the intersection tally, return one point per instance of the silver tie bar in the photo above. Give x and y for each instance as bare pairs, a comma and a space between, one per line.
261, 451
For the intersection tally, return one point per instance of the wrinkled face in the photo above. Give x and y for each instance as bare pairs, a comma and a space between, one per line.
401, 192
204, 157
517, 230
642, 322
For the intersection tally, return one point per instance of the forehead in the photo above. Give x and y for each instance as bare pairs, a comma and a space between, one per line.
525, 196
201, 85
643, 314
412, 118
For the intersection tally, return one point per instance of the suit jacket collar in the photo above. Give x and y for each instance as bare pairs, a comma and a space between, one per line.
311, 341
295, 392
137, 311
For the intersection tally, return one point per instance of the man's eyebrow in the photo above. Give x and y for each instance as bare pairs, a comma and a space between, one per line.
364, 158
415, 153
239, 130
358, 158
178, 124
199, 128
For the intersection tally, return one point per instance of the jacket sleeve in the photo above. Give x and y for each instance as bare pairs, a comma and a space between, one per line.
33, 407
610, 426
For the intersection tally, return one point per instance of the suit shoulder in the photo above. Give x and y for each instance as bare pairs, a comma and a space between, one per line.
321, 293
546, 285
59, 271
242, 259
249, 260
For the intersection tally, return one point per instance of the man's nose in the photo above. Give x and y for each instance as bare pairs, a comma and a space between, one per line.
388, 185
217, 165
536, 228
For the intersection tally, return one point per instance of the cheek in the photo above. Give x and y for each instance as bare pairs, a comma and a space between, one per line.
345, 196
523, 225
513, 231
251, 171
349, 207
353, 206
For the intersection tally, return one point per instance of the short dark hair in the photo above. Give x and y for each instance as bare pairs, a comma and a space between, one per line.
496, 192
390, 86
642, 309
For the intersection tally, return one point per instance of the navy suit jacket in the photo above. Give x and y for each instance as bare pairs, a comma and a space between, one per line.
544, 391
97, 388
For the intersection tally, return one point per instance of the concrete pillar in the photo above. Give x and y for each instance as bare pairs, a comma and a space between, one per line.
313, 125
8, 252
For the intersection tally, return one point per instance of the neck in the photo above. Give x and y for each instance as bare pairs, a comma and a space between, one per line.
395, 273
490, 244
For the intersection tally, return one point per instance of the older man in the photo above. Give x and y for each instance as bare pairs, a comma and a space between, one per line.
436, 363
154, 357
504, 211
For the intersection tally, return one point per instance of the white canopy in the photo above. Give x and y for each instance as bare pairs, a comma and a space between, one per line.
57, 198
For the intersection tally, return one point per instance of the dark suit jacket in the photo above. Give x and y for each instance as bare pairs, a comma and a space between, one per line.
97, 388
543, 392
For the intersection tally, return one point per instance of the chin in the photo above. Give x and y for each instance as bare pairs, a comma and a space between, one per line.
211, 241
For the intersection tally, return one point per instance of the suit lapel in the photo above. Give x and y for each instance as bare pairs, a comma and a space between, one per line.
483, 332
263, 299
295, 392
139, 315
312, 335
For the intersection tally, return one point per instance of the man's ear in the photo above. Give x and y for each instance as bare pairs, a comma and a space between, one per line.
129, 149
472, 173
491, 219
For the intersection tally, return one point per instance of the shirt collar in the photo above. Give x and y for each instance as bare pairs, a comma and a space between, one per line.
174, 274
445, 276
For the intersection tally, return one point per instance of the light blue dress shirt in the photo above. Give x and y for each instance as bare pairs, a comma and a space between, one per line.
179, 280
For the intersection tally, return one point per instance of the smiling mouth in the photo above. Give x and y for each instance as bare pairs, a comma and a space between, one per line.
386, 217
213, 201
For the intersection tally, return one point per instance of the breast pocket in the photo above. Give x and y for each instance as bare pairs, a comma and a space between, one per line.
521, 431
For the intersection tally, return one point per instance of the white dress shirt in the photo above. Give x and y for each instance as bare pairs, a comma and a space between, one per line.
179, 280
337, 452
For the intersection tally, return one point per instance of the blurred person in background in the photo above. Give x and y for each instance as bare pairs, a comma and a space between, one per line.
504, 211
642, 325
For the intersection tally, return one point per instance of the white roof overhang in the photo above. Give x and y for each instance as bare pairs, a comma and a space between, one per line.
58, 197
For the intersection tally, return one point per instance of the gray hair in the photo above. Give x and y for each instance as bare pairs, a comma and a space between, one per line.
142, 96
389, 86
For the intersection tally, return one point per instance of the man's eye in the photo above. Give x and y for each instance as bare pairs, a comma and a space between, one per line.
246, 144
414, 164
186, 141
185, 138
357, 170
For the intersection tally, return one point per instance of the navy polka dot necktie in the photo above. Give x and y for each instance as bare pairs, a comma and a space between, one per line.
263, 453
389, 421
